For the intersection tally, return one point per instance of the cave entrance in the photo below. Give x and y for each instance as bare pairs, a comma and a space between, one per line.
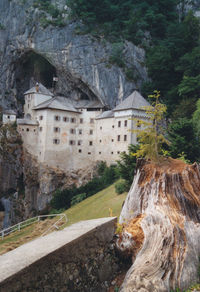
2, 209
32, 68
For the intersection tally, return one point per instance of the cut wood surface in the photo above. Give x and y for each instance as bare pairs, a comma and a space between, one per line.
161, 233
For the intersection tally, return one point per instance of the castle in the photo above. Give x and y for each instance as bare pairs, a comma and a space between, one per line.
73, 134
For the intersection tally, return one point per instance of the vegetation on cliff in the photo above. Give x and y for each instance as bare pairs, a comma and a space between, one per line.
99, 205
71, 196
170, 34
10, 141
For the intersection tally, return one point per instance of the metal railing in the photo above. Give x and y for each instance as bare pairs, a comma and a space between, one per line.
22, 224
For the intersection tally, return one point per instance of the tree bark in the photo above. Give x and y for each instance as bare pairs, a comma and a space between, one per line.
161, 218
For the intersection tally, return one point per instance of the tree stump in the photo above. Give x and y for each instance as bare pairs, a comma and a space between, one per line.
161, 218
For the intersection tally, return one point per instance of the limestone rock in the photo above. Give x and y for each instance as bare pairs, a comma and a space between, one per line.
80, 62
161, 217
41, 181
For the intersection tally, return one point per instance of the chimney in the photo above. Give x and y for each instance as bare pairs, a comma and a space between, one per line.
37, 87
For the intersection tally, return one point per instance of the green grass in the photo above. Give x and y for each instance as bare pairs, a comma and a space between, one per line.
17, 235
100, 205
97, 206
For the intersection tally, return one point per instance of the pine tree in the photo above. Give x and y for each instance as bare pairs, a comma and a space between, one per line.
150, 135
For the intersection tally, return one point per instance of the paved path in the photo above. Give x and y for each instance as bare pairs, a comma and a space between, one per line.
23, 256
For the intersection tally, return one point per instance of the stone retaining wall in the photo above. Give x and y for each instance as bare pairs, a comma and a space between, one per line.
87, 263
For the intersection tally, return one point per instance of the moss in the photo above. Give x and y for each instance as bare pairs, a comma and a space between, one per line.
2, 27
47, 8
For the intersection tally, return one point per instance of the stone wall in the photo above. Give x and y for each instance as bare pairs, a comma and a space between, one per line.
86, 263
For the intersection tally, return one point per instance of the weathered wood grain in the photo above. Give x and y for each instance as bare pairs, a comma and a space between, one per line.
161, 233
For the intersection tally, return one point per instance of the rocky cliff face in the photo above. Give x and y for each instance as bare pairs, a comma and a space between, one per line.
30, 52
27, 186
41, 181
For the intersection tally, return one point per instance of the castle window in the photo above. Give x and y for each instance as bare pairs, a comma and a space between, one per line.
111, 152
112, 140
118, 138
80, 142
113, 126
40, 129
89, 153
91, 121
56, 130
90, 143
79, 150
28, 105
22, 129
8, 117
99, 141
80, 131
99, 152
65, 119
57, 118
125, 123
73, 120
56, 141
40, 118
100, 128
91, 132
72, 131
125, 137
119, 124
71, 142
27, 130
81, 121
118, 152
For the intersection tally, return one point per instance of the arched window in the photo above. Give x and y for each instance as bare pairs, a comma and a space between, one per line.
28, 116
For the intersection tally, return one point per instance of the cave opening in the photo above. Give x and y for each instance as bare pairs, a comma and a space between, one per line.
32, 68
2, 209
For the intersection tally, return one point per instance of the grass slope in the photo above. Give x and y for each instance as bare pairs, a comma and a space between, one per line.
96, 206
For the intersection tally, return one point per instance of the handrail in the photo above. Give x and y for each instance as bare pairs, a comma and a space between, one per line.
22, 224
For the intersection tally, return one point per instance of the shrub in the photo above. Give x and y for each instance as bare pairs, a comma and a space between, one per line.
101, 167
121, 187
55, 211
127, 163
68, 197
78, 198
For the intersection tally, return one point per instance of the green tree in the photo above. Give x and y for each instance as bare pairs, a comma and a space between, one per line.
127, 163
183, 139
196, 119
150, 135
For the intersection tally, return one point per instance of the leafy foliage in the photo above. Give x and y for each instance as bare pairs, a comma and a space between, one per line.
183, 139
2, 27
65, 198
173, 63
121, 187
78, 198
130, 19
47, 8
196, 119
126, 165
150, 136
